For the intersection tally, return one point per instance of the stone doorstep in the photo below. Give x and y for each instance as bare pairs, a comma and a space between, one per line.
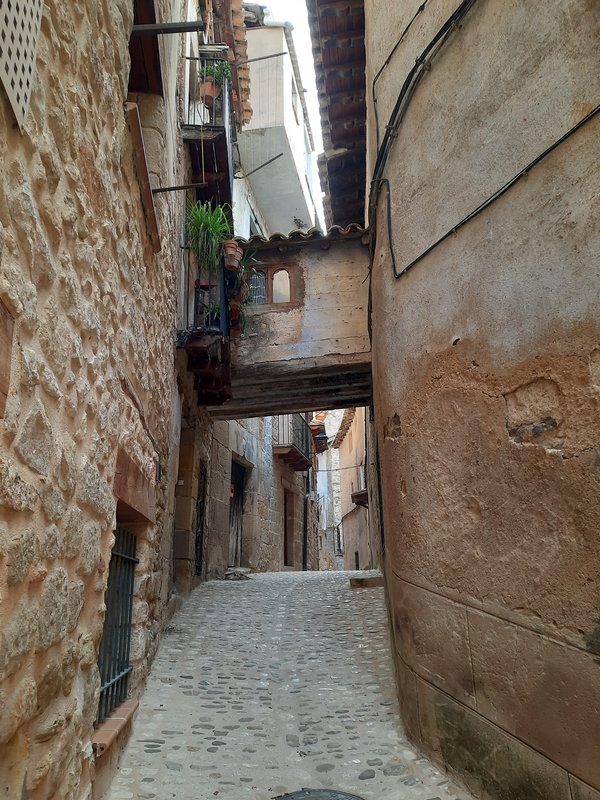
366, 583
108, 731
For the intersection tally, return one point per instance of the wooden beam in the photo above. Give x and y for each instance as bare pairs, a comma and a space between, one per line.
135, 126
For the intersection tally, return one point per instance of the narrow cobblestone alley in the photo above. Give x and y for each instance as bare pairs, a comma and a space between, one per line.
269, 685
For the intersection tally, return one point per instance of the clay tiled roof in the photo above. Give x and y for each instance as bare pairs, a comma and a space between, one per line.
334, 233
337, 30
345, 424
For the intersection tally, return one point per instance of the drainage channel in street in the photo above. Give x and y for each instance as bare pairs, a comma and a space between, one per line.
318, 794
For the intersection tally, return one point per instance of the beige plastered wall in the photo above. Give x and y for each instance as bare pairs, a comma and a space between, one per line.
92, 404
354, 519
487, 389
327, 314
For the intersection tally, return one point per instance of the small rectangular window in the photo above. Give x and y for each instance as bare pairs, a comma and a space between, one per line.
113, 656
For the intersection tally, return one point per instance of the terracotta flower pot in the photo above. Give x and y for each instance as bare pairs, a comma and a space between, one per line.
208, 90
234, 310
233, 254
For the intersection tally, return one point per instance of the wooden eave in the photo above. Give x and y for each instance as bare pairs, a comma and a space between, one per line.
145, 74
294, 458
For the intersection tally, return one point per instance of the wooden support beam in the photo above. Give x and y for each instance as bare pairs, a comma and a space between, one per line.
135, 126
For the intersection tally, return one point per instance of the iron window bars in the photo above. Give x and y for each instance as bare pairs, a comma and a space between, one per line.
113, 656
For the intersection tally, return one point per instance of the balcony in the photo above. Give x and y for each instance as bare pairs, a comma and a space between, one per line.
207, 123
204, 331
291, 441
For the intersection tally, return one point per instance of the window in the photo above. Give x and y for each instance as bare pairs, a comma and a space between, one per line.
258, 288
271, 285
281, 286
113, 656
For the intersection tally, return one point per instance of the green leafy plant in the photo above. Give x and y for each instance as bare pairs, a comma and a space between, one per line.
206, 229
219, 70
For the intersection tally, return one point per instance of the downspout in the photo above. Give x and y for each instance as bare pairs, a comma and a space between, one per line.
305, 523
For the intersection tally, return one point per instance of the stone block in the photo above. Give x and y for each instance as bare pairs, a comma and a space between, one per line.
52, 544
95, 492
75, 604
187, 458
73, 531
491, 763
53, 616
184, 512
184, 545
17, 637
21, 552
134, 488
545, 693
582, 791
407, 697
89, 553
13, 766
53, 503
432, 637
18, 705
34, 442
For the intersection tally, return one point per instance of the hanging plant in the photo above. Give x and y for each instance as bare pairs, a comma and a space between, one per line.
207, 229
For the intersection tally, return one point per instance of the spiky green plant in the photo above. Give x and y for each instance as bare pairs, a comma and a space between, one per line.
206, 229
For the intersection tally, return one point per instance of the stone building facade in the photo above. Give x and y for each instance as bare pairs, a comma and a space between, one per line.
485, 356
354, 514
100, 427
87, 306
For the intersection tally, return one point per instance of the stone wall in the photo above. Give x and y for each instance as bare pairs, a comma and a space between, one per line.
486, 391
90, 404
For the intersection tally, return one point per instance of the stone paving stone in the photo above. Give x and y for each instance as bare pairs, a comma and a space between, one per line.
267, 686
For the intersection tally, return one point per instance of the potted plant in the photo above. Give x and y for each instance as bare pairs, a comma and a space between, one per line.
206, 229
210, 78
233, 254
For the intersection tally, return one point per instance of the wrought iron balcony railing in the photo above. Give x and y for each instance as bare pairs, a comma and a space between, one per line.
209, 95
292, 440
204, 293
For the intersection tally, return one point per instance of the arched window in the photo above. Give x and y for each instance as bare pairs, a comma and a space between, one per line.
281, 286
258, 287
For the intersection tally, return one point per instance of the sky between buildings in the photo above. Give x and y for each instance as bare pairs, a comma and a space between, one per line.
294, 11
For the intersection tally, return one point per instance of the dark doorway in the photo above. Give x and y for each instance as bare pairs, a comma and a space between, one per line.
200, 508
356, 560
236, 512
288, 529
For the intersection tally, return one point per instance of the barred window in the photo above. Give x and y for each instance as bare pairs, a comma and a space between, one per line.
113, 656
258, 287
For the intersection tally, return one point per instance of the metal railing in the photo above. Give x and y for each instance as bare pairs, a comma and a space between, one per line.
292, 430
113, 656
208, 102
205, 296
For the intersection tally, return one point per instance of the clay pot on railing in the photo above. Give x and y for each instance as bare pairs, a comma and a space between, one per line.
233, 254
208, 90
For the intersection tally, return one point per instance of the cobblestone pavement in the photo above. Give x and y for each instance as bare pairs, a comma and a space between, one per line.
269, 685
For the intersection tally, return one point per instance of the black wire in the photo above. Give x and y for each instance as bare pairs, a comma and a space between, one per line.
387, 61
411, 82
492, 198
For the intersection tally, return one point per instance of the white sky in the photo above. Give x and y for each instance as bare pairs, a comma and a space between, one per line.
294, 11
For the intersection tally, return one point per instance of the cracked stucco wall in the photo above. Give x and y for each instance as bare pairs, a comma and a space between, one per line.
486, 393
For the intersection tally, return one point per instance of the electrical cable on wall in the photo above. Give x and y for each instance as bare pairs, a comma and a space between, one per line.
422, 64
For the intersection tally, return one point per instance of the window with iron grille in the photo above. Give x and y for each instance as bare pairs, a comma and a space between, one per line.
113, 657
258, 288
